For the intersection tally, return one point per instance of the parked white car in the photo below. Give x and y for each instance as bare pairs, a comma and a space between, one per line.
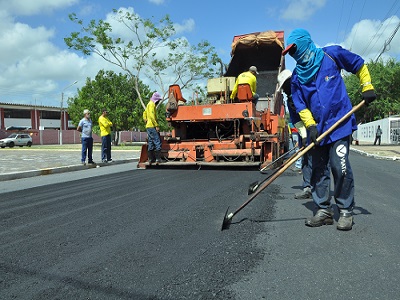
16, 139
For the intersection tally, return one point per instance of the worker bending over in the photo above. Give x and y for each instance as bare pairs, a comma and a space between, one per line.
320, 98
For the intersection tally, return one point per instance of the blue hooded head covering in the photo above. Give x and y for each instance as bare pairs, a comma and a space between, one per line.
307, 55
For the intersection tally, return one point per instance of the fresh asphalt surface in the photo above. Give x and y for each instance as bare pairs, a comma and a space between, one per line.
116, 232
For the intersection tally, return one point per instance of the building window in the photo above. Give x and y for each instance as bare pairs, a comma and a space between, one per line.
53, 115
17, 113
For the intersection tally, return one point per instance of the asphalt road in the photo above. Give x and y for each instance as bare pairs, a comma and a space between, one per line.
122, 233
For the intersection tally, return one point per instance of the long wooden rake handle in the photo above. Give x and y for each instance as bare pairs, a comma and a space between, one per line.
292, 160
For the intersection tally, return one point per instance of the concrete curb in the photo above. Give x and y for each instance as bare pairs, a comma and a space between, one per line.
56, 170
374, 155
71, 168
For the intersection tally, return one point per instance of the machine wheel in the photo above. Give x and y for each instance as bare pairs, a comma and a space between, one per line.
29, 144
11, 144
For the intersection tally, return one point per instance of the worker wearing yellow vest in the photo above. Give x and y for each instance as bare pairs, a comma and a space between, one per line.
105, 133
250, 78
153, 136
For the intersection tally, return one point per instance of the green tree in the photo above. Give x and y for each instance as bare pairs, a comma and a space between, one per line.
114, 92
153, 51
386, 81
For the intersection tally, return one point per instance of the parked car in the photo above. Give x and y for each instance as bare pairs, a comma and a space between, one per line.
16, 139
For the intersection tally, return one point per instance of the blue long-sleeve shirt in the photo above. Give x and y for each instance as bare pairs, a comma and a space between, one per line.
326, 96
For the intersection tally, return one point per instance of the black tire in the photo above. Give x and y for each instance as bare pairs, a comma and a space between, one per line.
29, 144
11, 144
3, 146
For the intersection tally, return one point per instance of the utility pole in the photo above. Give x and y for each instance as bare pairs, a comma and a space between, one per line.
62, 114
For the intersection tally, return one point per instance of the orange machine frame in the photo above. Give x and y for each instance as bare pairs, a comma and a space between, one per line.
261, 138
224, 131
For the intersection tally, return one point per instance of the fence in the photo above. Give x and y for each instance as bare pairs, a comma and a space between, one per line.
52, 136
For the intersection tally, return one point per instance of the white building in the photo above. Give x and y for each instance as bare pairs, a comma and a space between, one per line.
390, 131
35, 117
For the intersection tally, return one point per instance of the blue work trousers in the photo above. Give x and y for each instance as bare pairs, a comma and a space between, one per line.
335, 155
87, 149
106, 148
153, 139
306, 170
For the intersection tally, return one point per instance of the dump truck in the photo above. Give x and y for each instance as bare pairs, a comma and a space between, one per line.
224, 132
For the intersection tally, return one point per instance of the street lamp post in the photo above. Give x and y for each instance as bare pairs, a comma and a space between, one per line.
61, 109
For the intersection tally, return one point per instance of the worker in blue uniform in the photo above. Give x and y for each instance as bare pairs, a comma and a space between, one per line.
320, 98
284, 79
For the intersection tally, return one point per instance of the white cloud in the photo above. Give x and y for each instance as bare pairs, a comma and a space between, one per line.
122, 31
156, 1
27, 8
19, 41
186, 26
31, 64
301, 9
368, 37
87, 10
34, 68
118, 28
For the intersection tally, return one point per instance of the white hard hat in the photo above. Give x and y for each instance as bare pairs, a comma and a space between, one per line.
283, 76
253, 69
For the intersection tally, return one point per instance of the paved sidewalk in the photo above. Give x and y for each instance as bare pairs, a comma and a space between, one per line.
27, 162
390, 152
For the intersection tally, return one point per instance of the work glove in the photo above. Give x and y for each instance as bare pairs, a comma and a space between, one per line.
313, 134
369, 96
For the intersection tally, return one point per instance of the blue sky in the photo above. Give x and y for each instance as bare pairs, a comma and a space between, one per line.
36, 65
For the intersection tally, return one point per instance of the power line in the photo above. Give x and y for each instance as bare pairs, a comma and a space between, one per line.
340, 21
376, 36
389, 12
387, 42
358, 24
348, 20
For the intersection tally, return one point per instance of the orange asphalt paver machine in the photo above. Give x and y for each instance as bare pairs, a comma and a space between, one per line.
224, 132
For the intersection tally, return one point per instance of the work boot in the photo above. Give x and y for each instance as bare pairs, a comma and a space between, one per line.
158, 157
151, 157
345, 221
322, 217
304, 194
